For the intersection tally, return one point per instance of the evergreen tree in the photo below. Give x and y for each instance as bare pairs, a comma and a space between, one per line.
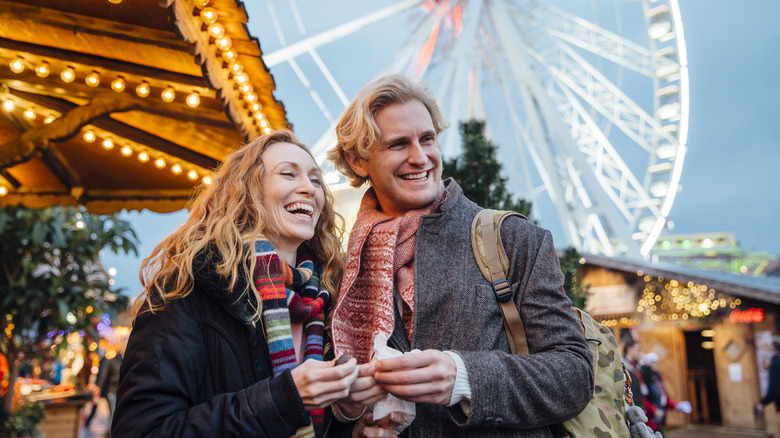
479, 174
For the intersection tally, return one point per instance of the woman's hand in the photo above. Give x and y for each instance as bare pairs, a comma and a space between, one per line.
363, 392
384, 428
321, 383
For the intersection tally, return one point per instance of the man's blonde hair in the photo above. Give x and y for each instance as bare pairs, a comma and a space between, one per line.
357, 131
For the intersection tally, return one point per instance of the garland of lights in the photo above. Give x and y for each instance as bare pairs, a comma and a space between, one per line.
671, 300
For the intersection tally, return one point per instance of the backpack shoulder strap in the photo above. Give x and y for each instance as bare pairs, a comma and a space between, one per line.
492, 261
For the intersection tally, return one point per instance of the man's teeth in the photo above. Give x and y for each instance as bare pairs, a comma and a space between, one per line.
300, 208
415, 176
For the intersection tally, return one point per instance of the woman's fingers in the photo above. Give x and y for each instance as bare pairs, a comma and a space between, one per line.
321, 383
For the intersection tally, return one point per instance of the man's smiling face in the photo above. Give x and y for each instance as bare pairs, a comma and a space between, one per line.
405, 167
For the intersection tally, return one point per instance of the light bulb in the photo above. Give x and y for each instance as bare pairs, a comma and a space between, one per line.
143, 156
168, 95
3, 190
126, 150
143, 89
216, 30
251, 97
108, 143
68, 75
193, 100
241, 78
235, 68
200, 4
246, 88
43, 70
209, 15
17, 65
93, 79
267, 130
49, 119
223, 43
263, 123
176, 169
29, 114
229, 55
258, 115
192, 174
9, 105
207, 180
159, 163
118, 84
89, 136
256, 107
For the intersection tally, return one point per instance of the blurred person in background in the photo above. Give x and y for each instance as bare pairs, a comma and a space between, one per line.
657, 401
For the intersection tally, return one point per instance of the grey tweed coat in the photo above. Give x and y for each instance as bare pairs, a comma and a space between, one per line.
456, 309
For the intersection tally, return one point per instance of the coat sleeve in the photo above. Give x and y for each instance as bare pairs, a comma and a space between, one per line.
555, 381
161, 379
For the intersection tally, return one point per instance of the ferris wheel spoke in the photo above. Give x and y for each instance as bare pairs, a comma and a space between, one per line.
293, 50
599, 41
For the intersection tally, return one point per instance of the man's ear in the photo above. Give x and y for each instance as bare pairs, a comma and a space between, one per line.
358, 165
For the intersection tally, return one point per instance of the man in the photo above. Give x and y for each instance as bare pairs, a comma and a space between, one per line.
773, 390
411, 275
632, 354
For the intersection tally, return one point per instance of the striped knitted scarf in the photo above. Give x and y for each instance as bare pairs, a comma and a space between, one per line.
380, 256
291, 295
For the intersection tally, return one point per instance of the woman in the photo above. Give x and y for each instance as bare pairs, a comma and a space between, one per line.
212, 354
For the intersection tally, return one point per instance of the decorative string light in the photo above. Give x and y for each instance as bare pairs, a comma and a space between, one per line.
3, 190
9, 105
251, 97
93, 79
246, 89
68, 75
267, 130
235, 68
143, 156
118, 84
193, 99
168, 95
229, 55
108, 143
176, 169
207, 180
257, 107
673, 300
43, 70
17, 65
241, 78
126, 150
209, 15
89, 136
143, 89
192, 174
50, 118
30, 114
159, 163
216, 30
223, 43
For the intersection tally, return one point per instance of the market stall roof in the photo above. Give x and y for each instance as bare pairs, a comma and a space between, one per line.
758, 288
125, 104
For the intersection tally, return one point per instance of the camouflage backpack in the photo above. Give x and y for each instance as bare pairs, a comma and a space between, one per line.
605, 415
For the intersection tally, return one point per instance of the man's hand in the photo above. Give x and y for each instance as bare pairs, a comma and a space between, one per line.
384, 428
363, 392
425, 377
321, 383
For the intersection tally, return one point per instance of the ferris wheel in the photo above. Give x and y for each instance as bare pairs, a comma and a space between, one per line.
587, 101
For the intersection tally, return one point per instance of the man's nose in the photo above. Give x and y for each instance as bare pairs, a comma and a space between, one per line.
417, 154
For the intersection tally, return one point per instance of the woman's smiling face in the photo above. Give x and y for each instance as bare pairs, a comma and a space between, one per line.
292, 195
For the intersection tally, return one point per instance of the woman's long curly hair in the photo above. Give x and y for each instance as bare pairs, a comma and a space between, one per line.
223, 216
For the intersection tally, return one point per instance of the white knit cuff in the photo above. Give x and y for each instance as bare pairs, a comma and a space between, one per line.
462, 390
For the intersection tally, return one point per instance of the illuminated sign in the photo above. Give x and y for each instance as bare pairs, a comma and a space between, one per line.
753, 314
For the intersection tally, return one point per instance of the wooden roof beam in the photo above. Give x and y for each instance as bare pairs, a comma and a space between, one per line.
91, 25
119, 128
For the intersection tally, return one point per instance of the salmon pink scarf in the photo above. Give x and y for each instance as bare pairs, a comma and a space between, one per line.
381, 250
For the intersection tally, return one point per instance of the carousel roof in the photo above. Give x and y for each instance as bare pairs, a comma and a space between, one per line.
125, 104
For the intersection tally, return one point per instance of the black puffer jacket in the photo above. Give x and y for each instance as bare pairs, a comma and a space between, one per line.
198, 368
